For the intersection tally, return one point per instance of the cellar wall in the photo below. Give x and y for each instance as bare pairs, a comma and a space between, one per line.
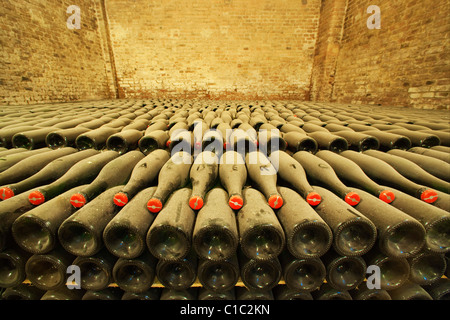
214, 49
42, 60
406, 62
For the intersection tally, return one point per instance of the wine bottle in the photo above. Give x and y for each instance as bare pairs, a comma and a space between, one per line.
264, 176
151, 294
154, 140
32, 139
418, 138
436, 167
359, 141
364, 293
218, 276
261, 234
96, 138
291, 171
177, 274
242, 142
382, 172
203, 175
410, 291
137, 274
169, 236
205, 294
434, 220
321, 173
23, 292
31, 165
410, 170
441, 148
9, 160
259, 275
108, 294
389, 140
283, 292
181, 141
244, 293
13, 260
175, 294
270, 141
399, 234
114, 173
81, 233
51, 172
82, 172
329, 141
440, 290
302, 274
144, 173
307, 234
233, 176
431, 153
7, 133
36, 230
173, 175
61, 138
351, 174
96, 270
344, 272
125, 235
62, 294
124, 140
48, 271
394, 272
426, 267
215, 234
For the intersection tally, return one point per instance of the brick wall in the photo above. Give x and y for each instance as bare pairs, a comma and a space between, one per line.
42, 61
218, 49
406, 62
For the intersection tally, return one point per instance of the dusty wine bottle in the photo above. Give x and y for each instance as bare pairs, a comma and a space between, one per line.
302, 274
144, 173
31, 165
364, 293
51, 172
436, 167
261, 234
244, 293
410, 170
23, 292
13, 260
359, 141
382, 172
48, 271
426, 267
137, 274
151, 294
81, 233
9, 160
307, 234
203, 175
82, 172
124, 140
173, 175
175, 294
96, 138
389, 140
291, 171
431, 153
64, 137
218, 276
169, 236
108, 294
154, 140
177, 274
264, 176
36, 230
350, 173
233, 176
259, 275
215, 235
96, 270
440, 290
205, 294
321, 173
283, 292
114, 173
399, 234
125, 235
410, 291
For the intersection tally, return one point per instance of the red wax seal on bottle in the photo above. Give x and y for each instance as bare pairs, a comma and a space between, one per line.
78, 200
154, 205
196, 202
387, 196
120, 199
352, 198
6, 193
236, 202
36, 197
313, 198
275, 202
429, 196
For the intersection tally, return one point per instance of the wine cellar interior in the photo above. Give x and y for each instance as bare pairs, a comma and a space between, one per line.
224, 150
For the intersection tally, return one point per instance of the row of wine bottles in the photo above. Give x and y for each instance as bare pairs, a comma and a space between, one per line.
410, 291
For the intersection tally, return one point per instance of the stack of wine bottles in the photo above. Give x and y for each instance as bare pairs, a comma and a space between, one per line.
223, 200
